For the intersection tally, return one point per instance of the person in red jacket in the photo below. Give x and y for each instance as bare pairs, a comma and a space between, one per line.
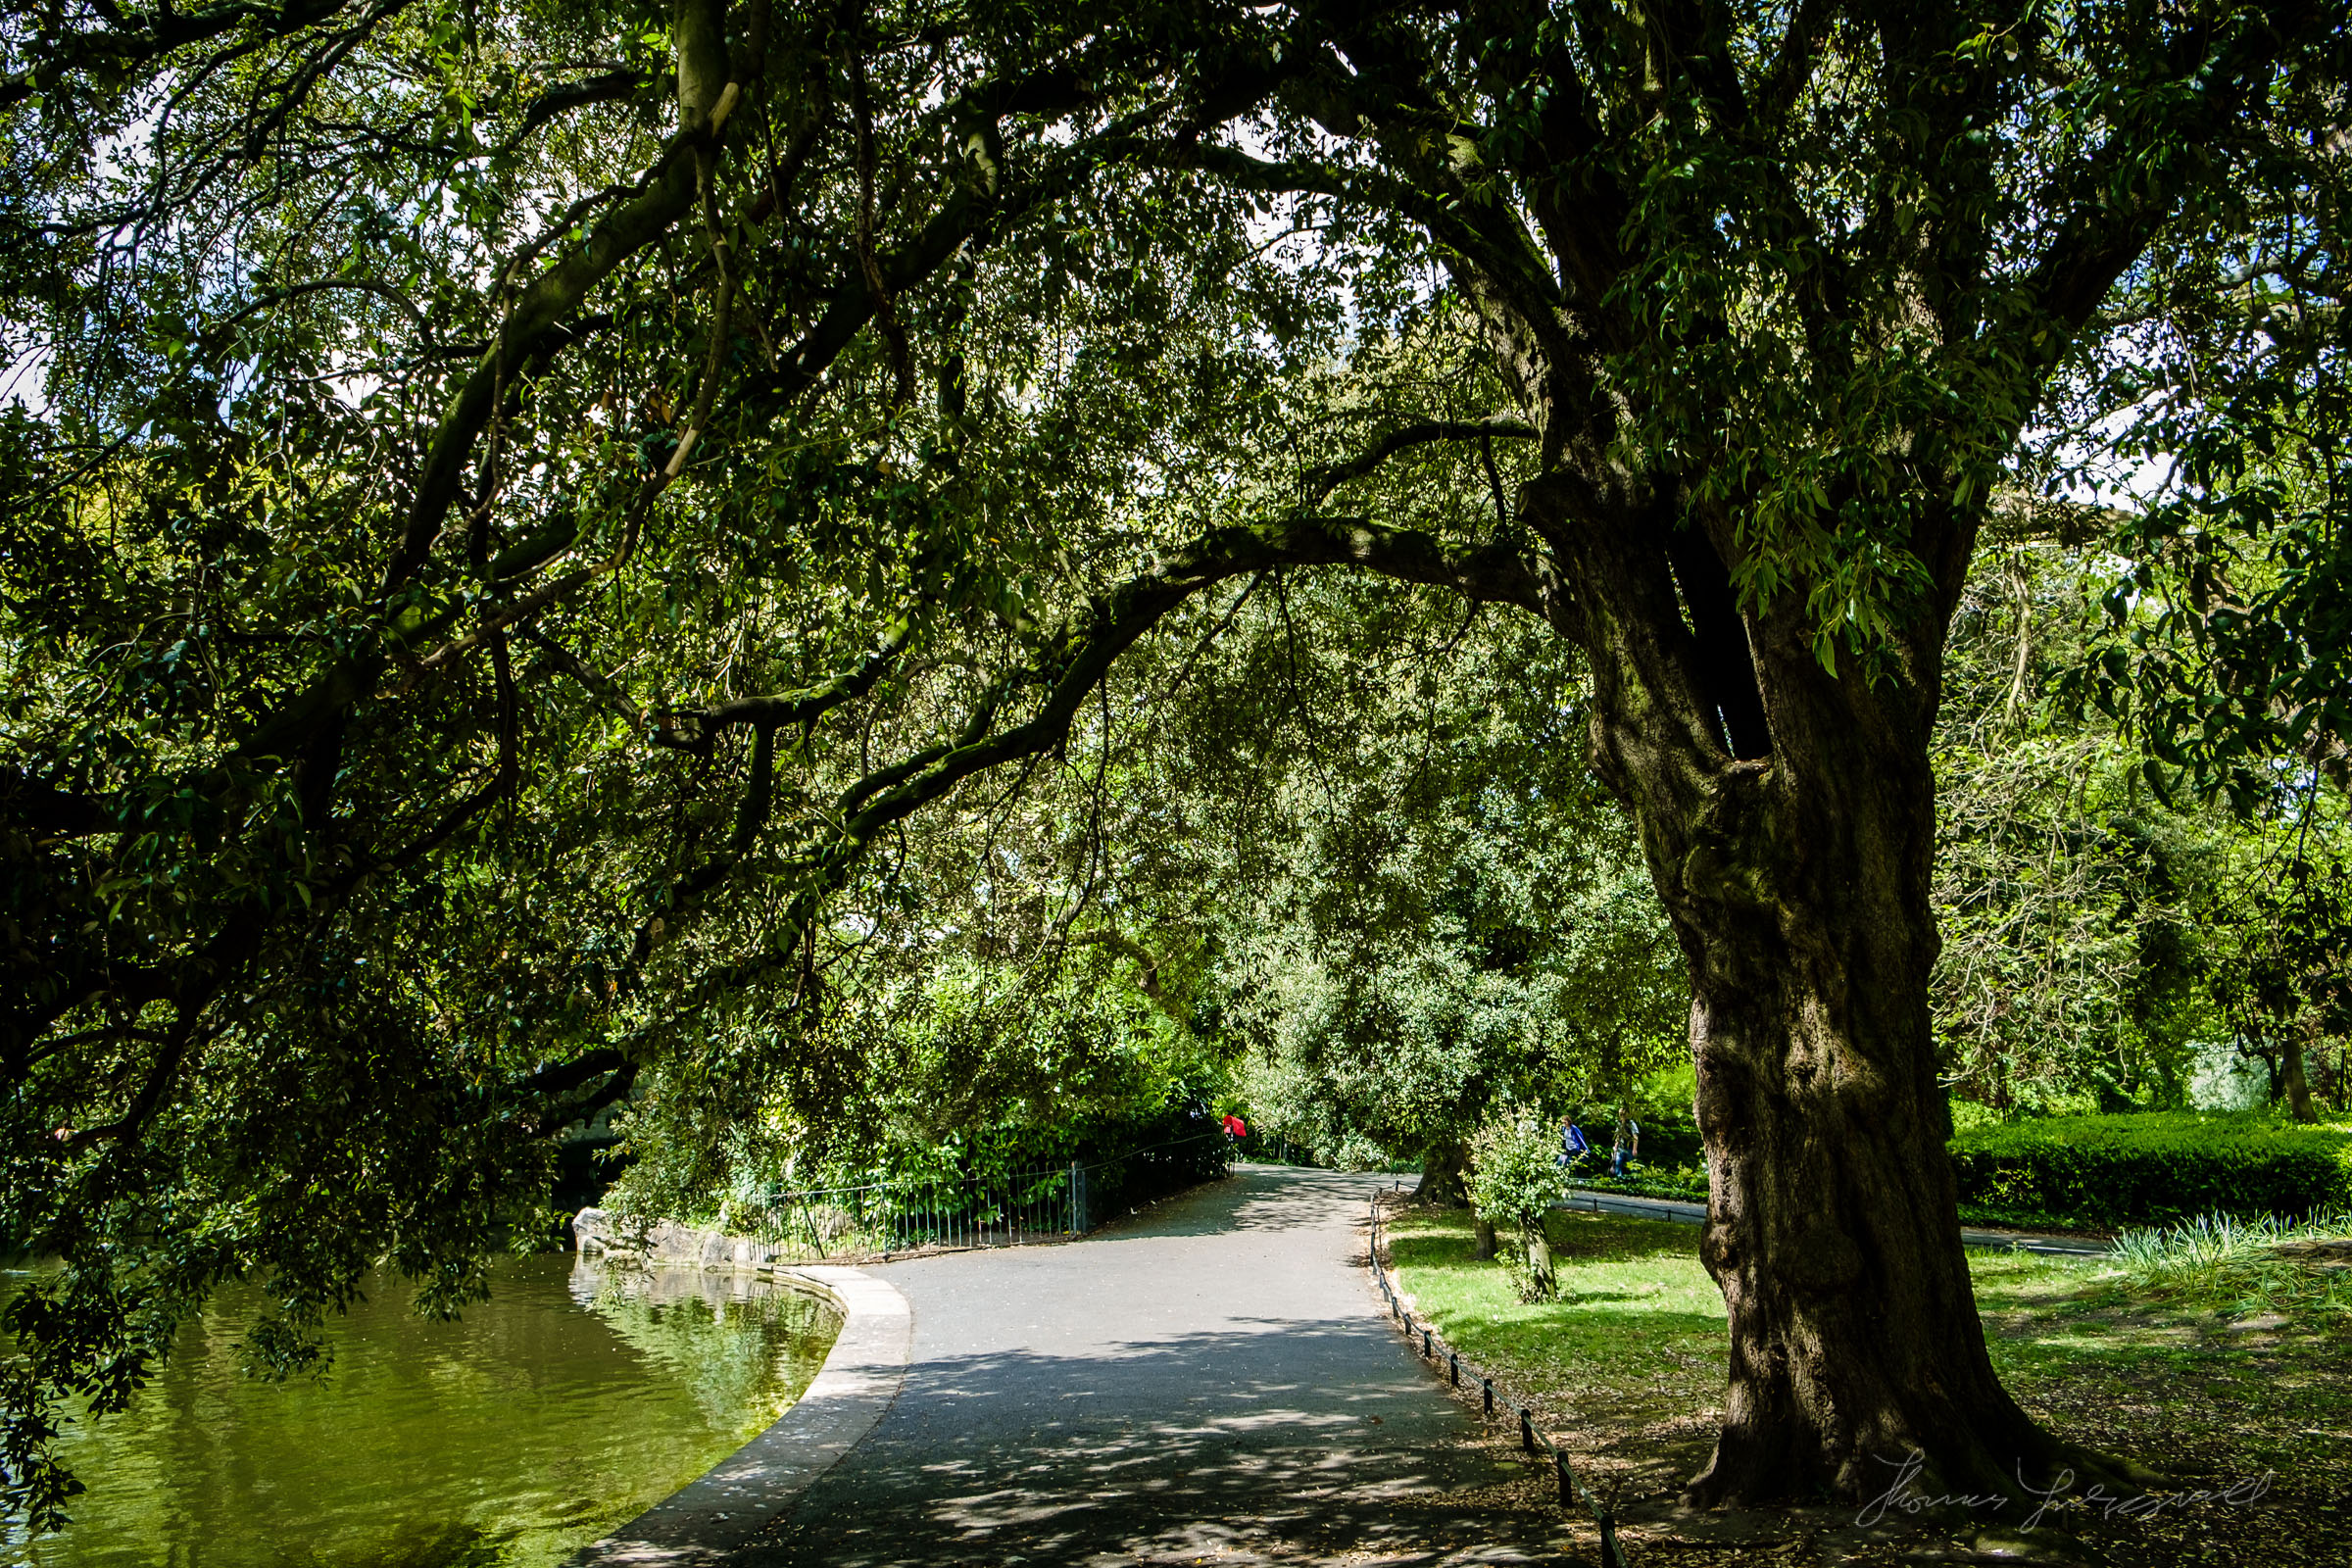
1236, 1127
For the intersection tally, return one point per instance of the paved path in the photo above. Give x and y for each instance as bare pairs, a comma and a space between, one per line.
1696, 1214
1206, 1383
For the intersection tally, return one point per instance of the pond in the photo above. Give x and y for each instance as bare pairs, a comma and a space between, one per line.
565, 1404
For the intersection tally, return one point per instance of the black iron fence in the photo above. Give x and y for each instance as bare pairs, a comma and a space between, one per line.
1425, 1340
1274, 1148
900, 1214
808, 1223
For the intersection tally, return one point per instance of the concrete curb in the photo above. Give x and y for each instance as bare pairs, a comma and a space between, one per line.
705, 1520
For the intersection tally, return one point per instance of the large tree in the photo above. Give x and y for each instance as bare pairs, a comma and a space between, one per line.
514, 506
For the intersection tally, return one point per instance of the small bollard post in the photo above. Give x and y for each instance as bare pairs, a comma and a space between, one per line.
1559, 1463
1486, 1390
1454, 1368
1427, 1348
1527, 1431
1611, 1555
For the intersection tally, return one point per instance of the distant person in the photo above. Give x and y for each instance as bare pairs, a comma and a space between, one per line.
1628, 1146
1236, 1127
1573, 1145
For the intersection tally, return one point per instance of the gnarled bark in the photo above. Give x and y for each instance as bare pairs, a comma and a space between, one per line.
1797, 881
1833, 1223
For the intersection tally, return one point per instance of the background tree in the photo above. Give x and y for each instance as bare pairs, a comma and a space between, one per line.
2106, 935
2277, 970
2069, 895
1424, 903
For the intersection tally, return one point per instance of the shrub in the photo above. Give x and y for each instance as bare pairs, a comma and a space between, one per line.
1515, 1173
1685, 1185
2154, 1167
1515, 1177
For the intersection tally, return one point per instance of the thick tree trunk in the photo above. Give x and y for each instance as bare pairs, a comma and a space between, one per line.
1799, 887
1483, 1239
1441, 1183
1790, 837
1833, 1223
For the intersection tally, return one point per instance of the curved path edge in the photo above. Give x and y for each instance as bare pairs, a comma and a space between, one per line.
707, 1519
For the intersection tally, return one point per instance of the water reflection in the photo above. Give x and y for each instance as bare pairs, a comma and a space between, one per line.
568, 1401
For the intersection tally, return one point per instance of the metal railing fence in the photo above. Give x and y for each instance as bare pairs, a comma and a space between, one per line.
1531, 1440
1275, 1148
899, 1216
810, 1224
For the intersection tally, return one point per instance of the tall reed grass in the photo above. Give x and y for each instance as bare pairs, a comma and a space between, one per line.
2217, 1258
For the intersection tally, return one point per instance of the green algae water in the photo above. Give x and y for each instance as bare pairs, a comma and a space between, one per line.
565, 1404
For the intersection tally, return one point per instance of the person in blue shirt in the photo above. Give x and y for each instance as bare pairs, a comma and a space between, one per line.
1573, 1146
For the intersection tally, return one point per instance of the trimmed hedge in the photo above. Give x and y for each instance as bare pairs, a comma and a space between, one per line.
2102, 1172
2153, 1166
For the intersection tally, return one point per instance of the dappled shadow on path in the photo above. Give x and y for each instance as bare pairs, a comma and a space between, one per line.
1252, 1446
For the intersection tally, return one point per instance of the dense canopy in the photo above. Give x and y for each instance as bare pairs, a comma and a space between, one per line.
514, 510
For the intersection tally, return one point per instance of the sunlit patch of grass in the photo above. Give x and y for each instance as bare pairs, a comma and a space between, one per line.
2135, 1346
2003, 1277
1627, 1368
1634, 1347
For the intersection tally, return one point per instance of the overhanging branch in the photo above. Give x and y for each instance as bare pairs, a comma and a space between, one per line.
1320, 482
1068, 666
693, 731
129, 44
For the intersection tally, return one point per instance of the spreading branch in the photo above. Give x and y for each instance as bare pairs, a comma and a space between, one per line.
1317, 483
1068, 665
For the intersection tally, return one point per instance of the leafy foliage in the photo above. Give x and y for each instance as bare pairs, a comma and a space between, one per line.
2228, 621
1516, 1174
543, 544
2101, 938
2071, 899
1515, 1177
2280, 972
1432, 908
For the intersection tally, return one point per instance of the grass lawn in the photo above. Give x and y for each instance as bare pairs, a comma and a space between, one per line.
2227, 1379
